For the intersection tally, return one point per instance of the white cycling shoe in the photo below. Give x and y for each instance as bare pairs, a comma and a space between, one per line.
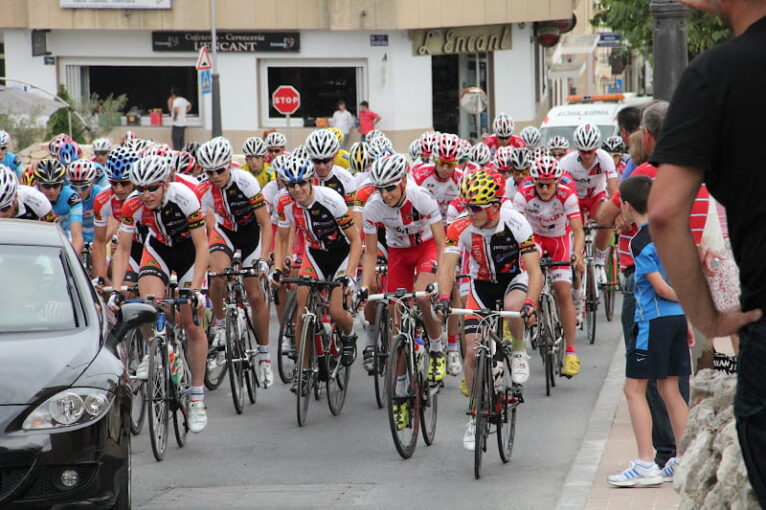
469, 438
265, 373
197, 416
519, 367
454, 363
142, 370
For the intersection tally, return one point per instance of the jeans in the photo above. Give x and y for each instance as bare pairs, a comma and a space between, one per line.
177, 134
663, 440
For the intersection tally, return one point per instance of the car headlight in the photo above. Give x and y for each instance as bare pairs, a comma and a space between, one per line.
68, 408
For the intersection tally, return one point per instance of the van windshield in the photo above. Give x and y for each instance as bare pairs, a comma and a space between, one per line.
568, 132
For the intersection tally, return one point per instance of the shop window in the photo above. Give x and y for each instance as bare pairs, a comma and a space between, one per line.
320, 88
147, 87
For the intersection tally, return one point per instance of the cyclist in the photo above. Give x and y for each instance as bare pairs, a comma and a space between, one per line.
498, 240
81, 175
101, 149
7, 158
333, 246
558, 147
553, 211
68, 151
521, 161
360, 160
177, 243
531, 136
255, 152
616, 148
49, 178
441, 177
503, 136
182, 162
414, 234
128, 138
427, 144
275, 145
413, 150
22, 202
241, 223
341, 158
481, 155
322, 146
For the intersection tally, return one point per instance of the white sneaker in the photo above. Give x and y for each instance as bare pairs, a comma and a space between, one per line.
454, 363
469, 438
600, 274
519, 367
219, 340
498, 372
142, 370
197, 416
265, 373
636, 475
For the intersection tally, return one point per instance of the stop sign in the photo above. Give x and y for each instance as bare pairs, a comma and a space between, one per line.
286, 100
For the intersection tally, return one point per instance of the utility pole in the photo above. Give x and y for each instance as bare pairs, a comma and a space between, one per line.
216, 93
671, 52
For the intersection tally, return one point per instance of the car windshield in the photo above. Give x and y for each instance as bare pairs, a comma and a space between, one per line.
38, 293
568, 133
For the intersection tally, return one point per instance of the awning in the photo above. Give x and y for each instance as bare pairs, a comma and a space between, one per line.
566, 70
574, 44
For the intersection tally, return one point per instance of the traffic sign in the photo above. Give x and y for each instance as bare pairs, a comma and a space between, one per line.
203, 61
205, 81
609, 40
286, 100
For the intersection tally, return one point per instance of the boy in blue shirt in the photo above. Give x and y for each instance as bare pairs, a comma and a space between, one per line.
7, 158
660, 348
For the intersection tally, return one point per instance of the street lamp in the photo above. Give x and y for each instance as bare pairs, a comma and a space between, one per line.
670, 46
216, 84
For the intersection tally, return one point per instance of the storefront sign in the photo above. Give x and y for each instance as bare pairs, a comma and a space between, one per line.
452, 41
116, 4
378, 39
230, 42
609, 40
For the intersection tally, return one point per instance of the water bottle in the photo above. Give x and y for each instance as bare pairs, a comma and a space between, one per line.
327, 324
160, 321
419, 343
173, 364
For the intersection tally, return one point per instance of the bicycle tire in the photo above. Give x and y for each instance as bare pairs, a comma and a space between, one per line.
234, 362
337, 386
136, 354
506, 405
249, 355
591, 304
214, 378
546, 342
286, 359
405, 439
429, 405
480, 410
303, 390
181, 399
381, 353
610, 289
157, 387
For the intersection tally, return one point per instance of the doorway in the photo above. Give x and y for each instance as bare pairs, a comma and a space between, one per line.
451, 74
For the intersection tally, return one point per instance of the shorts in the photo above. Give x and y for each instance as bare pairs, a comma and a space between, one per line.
325, 265
160, 260
659, 349
485, 295
559, 250
405, 263
247, 241
591, 205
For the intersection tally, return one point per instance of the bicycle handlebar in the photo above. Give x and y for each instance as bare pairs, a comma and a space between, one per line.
122, 288
157, 302
484, 313
551, 263
310, 282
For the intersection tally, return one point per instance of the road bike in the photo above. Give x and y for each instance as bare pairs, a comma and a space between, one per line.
286, 352
549, 333
612, 285
383, 323
590, 283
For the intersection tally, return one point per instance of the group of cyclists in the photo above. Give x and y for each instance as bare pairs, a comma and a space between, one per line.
471, 221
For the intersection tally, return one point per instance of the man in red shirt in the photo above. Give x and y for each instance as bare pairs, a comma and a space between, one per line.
367, 119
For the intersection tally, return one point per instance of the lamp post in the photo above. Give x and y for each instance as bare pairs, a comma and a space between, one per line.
670, 46
216, 84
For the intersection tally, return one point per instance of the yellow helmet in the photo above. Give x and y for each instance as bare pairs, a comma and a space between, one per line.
359, 157
338, 134
481, 187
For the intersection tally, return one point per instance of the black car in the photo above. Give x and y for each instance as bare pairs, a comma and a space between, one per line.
64, 392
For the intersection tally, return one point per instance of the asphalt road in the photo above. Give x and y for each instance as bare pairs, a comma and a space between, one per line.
262, 459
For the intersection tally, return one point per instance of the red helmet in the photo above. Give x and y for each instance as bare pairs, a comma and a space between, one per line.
546, 167
503, 159
448, 147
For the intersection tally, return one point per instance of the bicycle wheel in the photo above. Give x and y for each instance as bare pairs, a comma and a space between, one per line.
611, 287
249, 362
381, 353
234, 356
591, 303
136, 353
157, 388
546, 342
304, 389
429, 401
480, 410
404, 434
214, 376
505, 407
181, 388
337, 382
286, 354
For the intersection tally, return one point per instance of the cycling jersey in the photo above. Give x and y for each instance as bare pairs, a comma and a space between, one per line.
169, 224
13, 162
548, 218
68, 208
235, 204
340, 180
101, 178
193, 184
589, 182
342, 159
107, 205
263, 177
33, 205
491, 142
322, 222
444, 191
88, 218
407, 225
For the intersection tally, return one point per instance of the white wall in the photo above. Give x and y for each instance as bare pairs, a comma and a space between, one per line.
21, 65
514, 72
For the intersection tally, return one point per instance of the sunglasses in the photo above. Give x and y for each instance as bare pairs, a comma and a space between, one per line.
151, 188
122, 184
291, 185
503, 137
80, 185
217, 171
322, 161
586, 152
477, 208
6, 208
101, 153
451, 164
389, 188
544, 185
49, 185
3, 147
275, 151
524, 171
558, 154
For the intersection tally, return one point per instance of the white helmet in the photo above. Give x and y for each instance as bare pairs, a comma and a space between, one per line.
299, 152
5, 138
558, 142
503, 158
215, 153
149, 170
139, 145
9, 185
388, 170
254, 146
546, 167
531, 136
379, 147
276, 163
480, 154
373, 134
322, 144
503, 125
587, 137
519, 158
102, 145
275, 139
414, 149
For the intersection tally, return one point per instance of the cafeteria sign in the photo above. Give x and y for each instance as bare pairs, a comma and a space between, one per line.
227, 42
116, 4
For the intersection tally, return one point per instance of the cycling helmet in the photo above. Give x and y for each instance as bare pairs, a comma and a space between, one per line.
254, 146
537, 153
519, 158
503, 125
275, 139
68, 152
380, 146
531, 136
128, 138
192, 148
119, 162
503, 158
9, 185
482, 187
359, 157
558, 142
182, 162
427, 144
587, 137
81, 170
373, 134
294, 169
157, 150
414, 149
49, 170
480, 154
149, 170
102, 145
279, 161
465, 150
614, 144
338, 133
140, 145
546, 167
388, 170
322, 144
5, 138
299, 152
215, 153
448, 147
56, 142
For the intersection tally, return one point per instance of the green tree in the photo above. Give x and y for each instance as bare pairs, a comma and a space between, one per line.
100, 114
631, 19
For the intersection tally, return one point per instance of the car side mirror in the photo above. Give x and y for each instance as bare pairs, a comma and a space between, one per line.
132, 315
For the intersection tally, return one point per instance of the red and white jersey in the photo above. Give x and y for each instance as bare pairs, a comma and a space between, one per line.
495, 252
323, 222
470, 167
407, 225
192, 183
589, 181
457, 207
235, 204
548, 218
491, 142
444, 191
106, 205
271, 194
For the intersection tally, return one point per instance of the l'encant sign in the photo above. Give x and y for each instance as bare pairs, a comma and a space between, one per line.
231, 42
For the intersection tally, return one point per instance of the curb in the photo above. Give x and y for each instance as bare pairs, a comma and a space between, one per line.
579, 480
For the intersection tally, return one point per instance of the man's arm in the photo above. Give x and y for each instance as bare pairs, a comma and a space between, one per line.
264, 222
579, 244
445, 272
355, 249
121, 258
661, 287
201, 256
75, 229
670, 203
535, 285
370, 259
99, 252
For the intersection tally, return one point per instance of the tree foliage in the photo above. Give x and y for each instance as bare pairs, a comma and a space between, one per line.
100, 114
631, 19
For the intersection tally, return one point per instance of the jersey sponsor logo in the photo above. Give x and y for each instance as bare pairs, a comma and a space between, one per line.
50, 218
74, 199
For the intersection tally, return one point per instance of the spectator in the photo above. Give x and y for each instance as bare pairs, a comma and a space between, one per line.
714, 123
367, 119
343, 120
628, 120
178, 107
637, 151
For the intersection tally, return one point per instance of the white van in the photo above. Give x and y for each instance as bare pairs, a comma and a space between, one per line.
599, 110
